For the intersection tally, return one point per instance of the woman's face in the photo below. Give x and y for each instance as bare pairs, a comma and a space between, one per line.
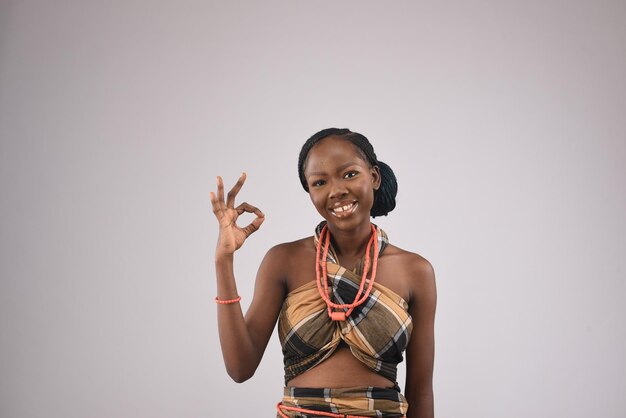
341, 183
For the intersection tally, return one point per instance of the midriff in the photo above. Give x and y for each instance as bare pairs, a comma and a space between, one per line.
340, 370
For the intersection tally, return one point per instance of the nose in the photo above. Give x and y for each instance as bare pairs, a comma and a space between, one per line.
337, 189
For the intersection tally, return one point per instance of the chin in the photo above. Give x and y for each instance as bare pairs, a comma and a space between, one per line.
346, 224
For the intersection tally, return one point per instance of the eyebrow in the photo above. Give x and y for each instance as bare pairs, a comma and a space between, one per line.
340, 168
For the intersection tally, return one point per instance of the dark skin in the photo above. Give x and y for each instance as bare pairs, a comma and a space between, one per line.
337, 175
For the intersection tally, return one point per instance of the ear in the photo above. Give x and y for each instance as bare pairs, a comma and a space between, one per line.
375, 172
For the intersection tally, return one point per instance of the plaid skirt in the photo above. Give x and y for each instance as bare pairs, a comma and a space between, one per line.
342, 403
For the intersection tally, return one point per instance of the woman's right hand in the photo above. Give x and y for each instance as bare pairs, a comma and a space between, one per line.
232, 236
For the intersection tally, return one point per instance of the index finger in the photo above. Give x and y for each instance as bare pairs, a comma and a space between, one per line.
230, 197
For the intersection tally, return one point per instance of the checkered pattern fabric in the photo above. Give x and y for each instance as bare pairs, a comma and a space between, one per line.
359, 401
377, 331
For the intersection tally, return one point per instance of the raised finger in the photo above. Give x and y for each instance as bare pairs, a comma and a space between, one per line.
230, 197
217, 208
246, 207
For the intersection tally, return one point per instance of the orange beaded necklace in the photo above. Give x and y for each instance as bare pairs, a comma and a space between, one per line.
322, 276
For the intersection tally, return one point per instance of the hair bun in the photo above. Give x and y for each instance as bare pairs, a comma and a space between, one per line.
385, 196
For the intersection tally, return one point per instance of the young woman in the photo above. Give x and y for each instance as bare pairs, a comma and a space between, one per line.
348, 303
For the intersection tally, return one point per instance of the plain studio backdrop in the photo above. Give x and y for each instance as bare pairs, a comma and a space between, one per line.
503, 120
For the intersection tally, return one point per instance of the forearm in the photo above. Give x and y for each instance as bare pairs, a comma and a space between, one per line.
238, 349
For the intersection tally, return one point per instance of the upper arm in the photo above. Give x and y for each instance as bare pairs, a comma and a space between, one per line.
269, 293
421, 349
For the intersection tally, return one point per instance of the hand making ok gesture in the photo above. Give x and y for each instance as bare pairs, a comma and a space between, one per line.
232, 236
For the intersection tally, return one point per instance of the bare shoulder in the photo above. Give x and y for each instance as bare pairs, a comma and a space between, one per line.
417, 270
289, 255
277, 268
287, 250
414, 262
293, 262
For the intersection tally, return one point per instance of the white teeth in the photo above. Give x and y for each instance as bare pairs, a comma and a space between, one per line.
341, 209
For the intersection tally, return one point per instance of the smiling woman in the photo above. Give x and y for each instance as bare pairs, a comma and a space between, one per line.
341, 183
344, 325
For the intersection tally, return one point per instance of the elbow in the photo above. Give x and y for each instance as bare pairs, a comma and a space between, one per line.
241, 367
240, 376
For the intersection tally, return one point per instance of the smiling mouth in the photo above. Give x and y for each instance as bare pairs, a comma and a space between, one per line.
344, 210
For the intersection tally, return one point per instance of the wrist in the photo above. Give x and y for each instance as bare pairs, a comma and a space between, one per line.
222, 256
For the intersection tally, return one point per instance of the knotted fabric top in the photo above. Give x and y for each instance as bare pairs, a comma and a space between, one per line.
376, 331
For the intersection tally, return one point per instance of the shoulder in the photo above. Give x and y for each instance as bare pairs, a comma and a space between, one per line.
414, 262
288, 253
418, 270
291, 248
282, 260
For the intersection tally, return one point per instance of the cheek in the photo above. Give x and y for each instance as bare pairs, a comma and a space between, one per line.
368, 193
367, 190
316, 200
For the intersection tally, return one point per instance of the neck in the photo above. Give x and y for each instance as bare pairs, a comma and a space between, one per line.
351, 243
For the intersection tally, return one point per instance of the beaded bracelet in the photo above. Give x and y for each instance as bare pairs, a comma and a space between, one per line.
227, 302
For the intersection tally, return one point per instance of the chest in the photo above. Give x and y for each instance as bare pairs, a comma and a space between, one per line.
389, 273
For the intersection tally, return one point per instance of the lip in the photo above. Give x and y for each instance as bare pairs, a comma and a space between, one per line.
343, 209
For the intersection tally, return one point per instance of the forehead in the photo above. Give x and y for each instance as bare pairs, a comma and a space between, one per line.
332, 152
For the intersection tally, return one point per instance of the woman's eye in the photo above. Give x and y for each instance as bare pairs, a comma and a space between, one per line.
351, 174
318, 183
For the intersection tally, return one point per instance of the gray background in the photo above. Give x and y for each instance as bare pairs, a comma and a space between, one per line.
504, 121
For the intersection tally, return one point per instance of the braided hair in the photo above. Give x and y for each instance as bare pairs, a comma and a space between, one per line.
385, 196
